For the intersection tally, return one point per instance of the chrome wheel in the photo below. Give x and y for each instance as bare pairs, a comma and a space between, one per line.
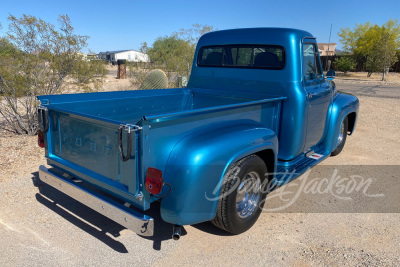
248, 195
341, 134
242, 201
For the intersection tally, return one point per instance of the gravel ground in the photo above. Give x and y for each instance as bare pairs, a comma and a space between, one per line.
39, 226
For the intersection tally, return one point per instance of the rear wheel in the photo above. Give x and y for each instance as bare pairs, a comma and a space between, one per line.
341, 140
242, 200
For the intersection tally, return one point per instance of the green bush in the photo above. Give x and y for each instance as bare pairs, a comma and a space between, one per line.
345, 63
86, 71
136, 74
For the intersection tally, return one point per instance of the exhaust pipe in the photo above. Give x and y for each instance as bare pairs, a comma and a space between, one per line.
176, 232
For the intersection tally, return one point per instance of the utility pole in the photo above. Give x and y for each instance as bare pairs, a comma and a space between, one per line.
327, 52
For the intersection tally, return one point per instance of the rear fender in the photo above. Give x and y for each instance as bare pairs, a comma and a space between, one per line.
197, 165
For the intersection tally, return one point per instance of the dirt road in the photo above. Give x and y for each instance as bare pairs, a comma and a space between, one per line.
40, 226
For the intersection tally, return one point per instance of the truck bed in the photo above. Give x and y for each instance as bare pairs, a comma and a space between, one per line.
131, 108
83, 131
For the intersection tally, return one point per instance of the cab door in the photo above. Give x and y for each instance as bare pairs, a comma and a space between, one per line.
318, 93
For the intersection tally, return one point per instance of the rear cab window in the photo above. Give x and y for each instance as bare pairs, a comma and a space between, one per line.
242, 56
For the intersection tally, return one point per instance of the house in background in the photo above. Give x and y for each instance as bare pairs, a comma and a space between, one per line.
92, 56
327, 49
82, 55
128, 55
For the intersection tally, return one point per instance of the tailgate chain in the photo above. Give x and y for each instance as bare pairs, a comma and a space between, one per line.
129, 128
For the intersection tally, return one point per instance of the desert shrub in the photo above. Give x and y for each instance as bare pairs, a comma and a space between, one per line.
136, 74
35, 60
86, 71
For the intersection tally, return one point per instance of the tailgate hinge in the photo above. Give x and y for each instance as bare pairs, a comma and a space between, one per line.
130, 127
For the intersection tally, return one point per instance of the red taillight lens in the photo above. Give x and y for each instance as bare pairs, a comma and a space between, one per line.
40, 138
154, 181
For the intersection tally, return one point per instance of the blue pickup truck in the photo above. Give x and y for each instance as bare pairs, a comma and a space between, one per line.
257, 106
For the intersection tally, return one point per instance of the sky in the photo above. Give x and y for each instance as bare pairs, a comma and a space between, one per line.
120, 25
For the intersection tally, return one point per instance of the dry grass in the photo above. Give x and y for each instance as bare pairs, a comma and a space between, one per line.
108, 83
376, 78
19, 154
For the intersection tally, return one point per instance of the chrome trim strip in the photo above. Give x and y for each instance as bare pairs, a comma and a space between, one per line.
138, 223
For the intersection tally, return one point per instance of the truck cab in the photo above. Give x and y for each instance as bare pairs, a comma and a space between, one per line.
257, 106
289, 66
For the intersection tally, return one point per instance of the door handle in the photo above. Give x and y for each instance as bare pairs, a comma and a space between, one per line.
326, 86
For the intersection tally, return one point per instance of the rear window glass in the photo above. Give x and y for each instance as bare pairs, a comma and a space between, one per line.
242, 56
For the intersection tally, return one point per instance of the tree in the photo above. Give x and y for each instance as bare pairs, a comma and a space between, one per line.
345, 63
383, 53
6, 47
376, 45
192, 35
171, 54
360, 40
144, 48
42, 58
383, 56
175, 52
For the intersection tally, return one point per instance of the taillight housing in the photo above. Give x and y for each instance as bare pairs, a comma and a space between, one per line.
40, 138
154, 181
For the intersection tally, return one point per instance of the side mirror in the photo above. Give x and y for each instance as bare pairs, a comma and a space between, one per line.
330, 75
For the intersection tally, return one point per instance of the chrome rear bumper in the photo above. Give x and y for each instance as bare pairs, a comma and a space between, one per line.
138, 223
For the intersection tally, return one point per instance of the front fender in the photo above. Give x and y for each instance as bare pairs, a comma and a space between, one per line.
197, 165
343, 105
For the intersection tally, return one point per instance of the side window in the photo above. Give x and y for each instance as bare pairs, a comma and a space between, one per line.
312, 67
318, 63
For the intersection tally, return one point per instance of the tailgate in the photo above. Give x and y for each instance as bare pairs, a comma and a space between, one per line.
88, 148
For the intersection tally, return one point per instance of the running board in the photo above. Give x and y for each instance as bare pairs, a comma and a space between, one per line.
288, 171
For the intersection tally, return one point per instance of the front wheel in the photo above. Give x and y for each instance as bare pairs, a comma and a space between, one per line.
341, 140
242, 195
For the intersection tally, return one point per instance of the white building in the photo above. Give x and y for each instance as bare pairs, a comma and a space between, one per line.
128, 55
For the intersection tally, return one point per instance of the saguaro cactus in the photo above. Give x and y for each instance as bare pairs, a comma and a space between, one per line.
155, 79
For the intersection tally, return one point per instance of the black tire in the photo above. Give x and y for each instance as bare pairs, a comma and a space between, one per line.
227, 217
339, 147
